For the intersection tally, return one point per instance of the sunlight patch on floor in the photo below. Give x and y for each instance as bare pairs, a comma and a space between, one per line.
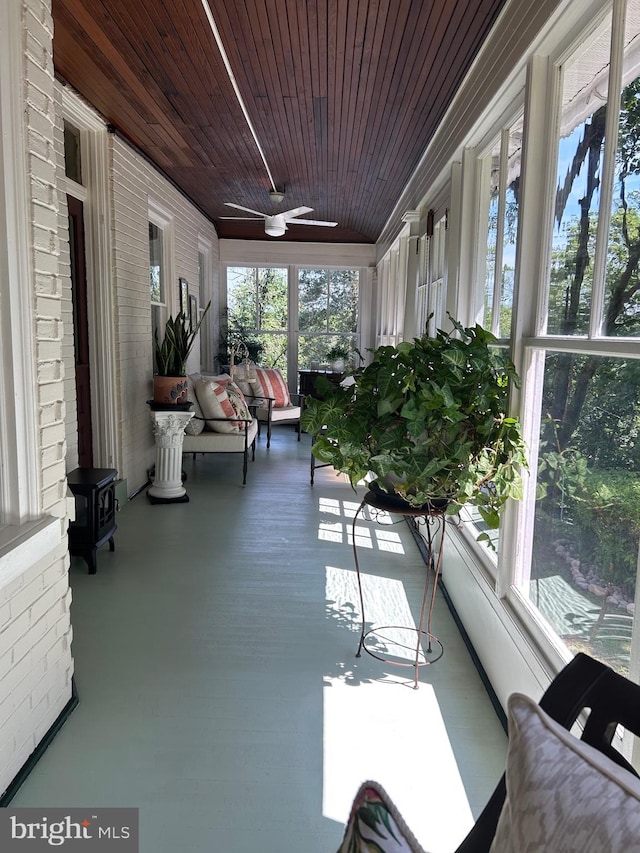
385, 604
387, 732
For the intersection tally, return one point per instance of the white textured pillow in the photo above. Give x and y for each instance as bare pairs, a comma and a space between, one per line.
214, 402
563, 796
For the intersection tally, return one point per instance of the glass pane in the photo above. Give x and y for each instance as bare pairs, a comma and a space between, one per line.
312, 300
241, 298
156, 272
272, 299
622, 287
492, 239
580, 153
510, 229
72, 153
273, 351
313, 351
587, 520
343, 300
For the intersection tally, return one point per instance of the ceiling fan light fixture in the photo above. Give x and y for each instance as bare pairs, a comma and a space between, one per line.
275, 226
276, 197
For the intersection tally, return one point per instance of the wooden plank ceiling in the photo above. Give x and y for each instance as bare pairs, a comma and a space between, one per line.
344, 96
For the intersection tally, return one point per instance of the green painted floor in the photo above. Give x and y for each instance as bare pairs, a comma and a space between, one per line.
219, 688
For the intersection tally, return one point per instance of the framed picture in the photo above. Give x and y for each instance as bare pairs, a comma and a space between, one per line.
193, 310
183, 293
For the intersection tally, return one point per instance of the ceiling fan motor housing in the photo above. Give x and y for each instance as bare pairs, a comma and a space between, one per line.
275, 226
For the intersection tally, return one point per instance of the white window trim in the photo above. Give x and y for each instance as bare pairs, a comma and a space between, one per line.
20, 498
163, 218
95, 195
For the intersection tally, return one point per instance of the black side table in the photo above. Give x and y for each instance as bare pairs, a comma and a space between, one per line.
434, 649
95, 493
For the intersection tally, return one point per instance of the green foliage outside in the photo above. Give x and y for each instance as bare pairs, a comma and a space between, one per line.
590, 452
258, 314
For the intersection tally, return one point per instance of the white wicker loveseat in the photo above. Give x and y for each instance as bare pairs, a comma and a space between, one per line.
223, 422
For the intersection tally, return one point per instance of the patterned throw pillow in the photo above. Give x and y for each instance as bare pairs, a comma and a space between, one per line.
376, 824
271, 383
215, 403
237, 400
562, 794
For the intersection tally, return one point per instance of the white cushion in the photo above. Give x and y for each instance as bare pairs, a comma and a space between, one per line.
217, 442
563, 796
286, 413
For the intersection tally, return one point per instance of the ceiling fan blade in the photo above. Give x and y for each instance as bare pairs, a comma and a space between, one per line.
310, 222
246, 209
295, 211
239, 218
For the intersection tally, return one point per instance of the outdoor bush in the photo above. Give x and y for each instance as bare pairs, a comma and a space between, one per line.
608, 513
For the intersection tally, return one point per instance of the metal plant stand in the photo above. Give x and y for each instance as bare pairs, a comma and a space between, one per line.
435, 524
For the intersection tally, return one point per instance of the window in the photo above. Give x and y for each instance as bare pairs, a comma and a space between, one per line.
157, 275
503, 165
585, 377
431, 291
257, 306
72, 153
327, 313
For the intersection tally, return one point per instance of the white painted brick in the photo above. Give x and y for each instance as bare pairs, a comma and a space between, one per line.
52, 496
49, 306
49, 602
41, 169
39, 21
51, 455
37, 631
50, 371
46, 264
14, 631
6, 659
48, 350
48, 284
51, 392
47, 217
23, 600
48, 329
41, 77
52, 434
42, 648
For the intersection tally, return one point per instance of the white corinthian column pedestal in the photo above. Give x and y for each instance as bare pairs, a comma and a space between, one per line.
168, 428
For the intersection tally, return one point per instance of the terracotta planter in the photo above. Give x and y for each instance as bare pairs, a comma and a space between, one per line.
170, 390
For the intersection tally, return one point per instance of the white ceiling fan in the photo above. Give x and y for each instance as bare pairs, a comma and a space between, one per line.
276, 224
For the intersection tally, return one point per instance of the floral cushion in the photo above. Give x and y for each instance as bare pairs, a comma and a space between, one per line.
270, 382
375, 824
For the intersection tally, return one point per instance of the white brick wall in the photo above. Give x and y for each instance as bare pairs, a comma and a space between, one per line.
35, 632
134, 181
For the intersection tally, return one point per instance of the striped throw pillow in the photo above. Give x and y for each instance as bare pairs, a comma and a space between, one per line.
272, 384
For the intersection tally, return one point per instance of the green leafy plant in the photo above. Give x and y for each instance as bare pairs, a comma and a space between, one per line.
429, 420
179, 337
338, 351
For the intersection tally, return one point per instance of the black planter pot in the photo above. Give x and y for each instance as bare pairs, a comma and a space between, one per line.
392, 501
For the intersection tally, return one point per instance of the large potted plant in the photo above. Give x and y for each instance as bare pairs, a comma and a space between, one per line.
171, 354
428, 419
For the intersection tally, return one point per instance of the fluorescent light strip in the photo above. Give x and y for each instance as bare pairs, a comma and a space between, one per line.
227, 65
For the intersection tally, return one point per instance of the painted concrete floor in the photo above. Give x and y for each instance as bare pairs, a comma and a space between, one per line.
219, 689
